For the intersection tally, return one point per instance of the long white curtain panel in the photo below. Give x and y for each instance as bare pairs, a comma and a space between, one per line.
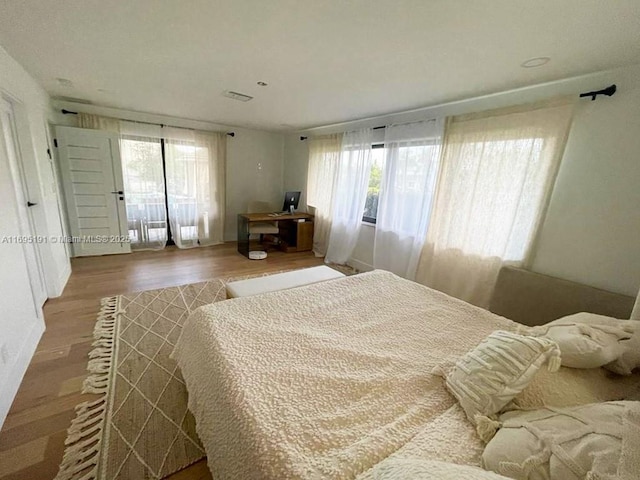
497, 172
412, 156
195, 166
324, 154
349, 195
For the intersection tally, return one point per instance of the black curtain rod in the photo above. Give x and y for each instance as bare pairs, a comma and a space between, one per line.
610, 90
69, 112
374, 128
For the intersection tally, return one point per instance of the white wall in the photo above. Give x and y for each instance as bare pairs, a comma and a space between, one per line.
254, 172
20, 336
21, 323
33, 112
254, 157
591, 231
362, 256
295, 171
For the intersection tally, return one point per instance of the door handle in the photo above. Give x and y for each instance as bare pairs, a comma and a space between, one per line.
119, 192
31, 204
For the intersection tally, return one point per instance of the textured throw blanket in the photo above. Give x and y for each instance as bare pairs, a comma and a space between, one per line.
328, 380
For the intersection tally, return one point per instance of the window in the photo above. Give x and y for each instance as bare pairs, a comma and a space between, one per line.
375, 178
416, 162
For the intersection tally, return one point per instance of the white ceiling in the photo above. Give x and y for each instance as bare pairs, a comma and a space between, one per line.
325, 61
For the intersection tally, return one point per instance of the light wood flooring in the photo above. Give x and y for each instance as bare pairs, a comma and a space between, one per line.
32, 437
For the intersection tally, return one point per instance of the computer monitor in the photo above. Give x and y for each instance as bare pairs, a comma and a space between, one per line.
291, 200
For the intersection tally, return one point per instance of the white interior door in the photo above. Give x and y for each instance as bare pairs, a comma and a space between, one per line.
18, 247
93, 189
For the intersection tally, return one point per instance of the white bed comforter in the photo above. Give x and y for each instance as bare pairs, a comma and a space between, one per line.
326, 381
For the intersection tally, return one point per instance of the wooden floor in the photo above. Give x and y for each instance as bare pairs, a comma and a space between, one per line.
32, 437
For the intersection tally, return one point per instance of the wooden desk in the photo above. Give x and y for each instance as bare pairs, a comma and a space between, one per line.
295, 236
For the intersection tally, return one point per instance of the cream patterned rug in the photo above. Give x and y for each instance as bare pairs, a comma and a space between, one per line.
140, 426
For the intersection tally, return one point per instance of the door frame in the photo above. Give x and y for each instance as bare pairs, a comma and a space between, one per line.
22, 194
49, 130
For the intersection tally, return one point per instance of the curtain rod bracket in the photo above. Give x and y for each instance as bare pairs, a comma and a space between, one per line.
68, 112
231, 134
303, 138
610, 90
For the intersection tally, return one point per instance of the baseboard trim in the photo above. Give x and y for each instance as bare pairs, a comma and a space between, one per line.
63, 278
360, 266
19, 368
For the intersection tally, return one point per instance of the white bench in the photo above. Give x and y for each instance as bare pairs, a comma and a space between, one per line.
281, 281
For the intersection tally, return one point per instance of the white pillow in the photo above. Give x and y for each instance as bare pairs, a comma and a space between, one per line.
577, 443
630, 358
488, 377
569, 387
419, 469
587, 340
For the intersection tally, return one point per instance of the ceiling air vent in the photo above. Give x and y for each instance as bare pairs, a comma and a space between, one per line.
237, 96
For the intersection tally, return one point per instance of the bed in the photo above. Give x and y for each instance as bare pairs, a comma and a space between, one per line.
532, 298
329, 380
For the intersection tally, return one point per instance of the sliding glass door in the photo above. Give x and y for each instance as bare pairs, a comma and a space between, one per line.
144, 185
174, 185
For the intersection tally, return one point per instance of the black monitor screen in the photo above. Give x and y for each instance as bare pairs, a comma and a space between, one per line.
291, 200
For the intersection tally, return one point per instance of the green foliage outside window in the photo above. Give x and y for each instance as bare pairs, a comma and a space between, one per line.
371, 205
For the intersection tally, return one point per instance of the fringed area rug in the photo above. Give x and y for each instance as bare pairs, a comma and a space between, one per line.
140, 427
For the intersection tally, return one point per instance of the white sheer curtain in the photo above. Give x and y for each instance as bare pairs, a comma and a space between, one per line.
141, 154
406, 194
497, 172
195, 167
350, 194
324, 153
96, 122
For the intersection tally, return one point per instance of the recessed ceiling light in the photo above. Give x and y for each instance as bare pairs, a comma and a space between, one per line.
535, 62
64, 82
262, 84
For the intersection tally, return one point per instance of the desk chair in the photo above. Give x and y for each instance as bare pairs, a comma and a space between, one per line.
262, 228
